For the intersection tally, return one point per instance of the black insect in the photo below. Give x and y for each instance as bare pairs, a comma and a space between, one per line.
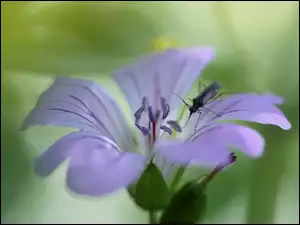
207, 95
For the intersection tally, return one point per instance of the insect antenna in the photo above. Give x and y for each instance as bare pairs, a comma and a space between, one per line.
187, 105
218, 96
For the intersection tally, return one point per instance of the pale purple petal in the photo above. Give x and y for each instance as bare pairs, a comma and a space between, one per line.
210, 146
96, 164
63, 148
163, 74
179, 153
82, 104
247, 107
102, 170
274, 99
244, 138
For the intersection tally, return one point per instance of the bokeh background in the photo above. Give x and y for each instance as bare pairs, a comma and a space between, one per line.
257, 51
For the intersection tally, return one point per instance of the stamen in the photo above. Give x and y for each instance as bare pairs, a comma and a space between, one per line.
151, 114
154, 118
138, 113
166, 129
174, 124
157, 115
165, 107
144, 130
145, 102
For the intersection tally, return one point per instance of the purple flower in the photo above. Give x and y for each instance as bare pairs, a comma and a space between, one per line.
105, 154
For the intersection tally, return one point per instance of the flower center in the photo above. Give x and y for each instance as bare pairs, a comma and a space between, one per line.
154, 119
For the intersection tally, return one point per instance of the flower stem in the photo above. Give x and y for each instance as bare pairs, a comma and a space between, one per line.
177, 178
152, 217
210, 176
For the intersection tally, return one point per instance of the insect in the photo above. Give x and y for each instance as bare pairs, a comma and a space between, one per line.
208, 94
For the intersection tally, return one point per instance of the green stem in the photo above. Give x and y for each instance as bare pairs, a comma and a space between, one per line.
152, 217
177, 178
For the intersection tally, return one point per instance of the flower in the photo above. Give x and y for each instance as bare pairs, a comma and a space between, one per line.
102, 154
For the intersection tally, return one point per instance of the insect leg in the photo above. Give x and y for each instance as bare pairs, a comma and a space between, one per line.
218, 96
199, 110
182, 112
215, 98
187, 120
199, 86
197, 122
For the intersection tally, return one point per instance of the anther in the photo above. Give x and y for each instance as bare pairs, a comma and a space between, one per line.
165, 107
138, 113
145, 102
144, 130
174, 124
151, 114
166, 129
157, 115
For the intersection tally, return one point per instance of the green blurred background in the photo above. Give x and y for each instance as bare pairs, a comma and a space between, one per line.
257, 50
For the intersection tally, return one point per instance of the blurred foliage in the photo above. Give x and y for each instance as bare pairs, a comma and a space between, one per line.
15, 164
257, 51
72, 38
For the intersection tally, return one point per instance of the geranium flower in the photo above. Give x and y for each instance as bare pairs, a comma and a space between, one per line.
103, 156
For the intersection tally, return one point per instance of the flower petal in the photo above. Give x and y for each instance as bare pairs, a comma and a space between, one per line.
163, 74
102, 170
180, 153
244, 138
247, 107
274, 99
210, 146
63, 148
81, 104
96, 167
